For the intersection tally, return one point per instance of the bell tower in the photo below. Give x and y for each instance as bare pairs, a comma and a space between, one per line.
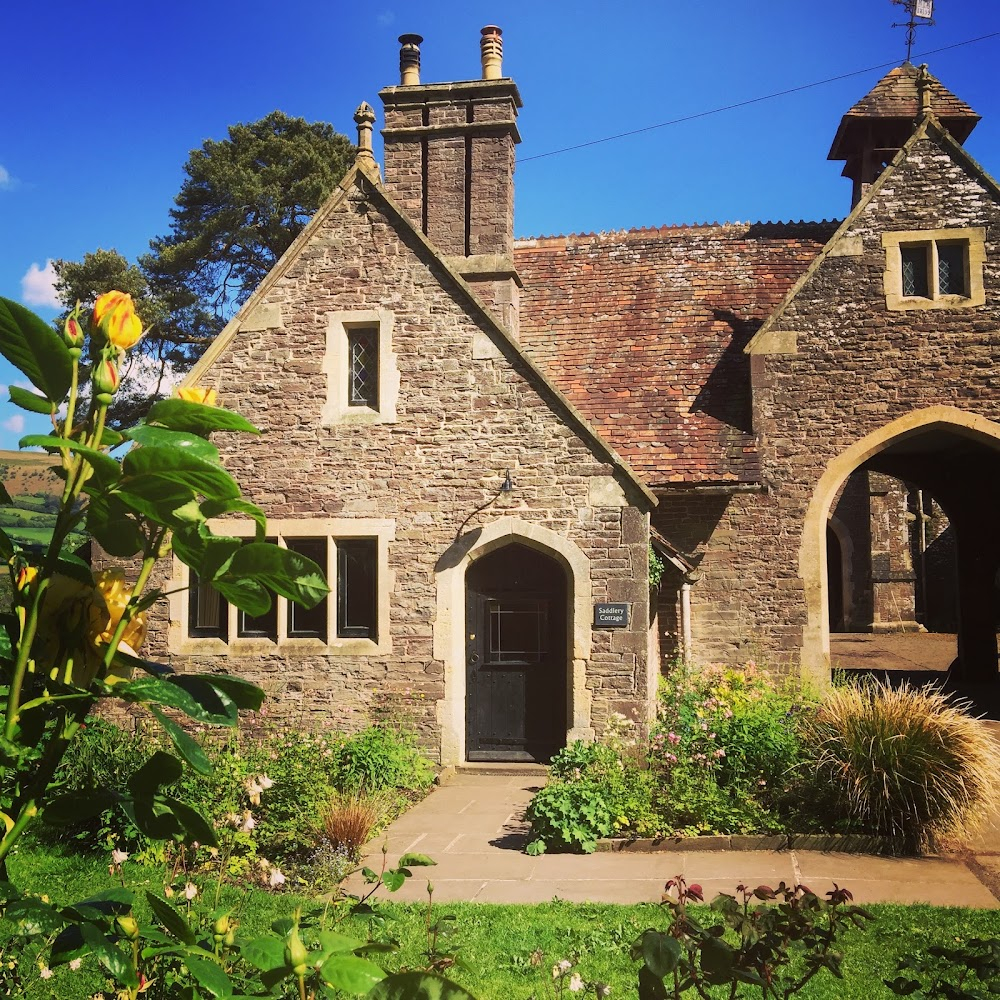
877, 127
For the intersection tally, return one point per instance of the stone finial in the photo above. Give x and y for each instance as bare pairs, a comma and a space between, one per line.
924, 91
409, 60
364, 118
491, 52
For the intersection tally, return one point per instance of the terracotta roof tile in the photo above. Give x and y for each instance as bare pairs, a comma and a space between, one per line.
896, 96
644, 332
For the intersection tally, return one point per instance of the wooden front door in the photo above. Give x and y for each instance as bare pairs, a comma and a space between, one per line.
516, 656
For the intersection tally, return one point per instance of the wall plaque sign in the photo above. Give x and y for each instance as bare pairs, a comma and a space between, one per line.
611, 615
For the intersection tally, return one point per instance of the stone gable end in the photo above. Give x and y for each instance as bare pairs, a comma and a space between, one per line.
432, 473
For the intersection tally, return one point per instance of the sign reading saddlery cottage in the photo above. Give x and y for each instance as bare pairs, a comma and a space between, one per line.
611, 615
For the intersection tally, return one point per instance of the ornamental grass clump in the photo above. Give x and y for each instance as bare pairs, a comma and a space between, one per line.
903, 762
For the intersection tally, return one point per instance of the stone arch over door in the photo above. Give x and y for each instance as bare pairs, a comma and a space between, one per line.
450, 624
893, 445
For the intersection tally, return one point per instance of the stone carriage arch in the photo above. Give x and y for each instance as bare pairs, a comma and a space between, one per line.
449, 623
815, 654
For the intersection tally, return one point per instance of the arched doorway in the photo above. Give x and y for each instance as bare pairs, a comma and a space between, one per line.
835, 579
955, 456
516, 606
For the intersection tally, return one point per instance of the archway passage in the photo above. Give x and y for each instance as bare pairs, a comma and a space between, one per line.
963, 473
835, 580
516, 689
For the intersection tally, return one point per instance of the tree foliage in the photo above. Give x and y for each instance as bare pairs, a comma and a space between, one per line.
243, 201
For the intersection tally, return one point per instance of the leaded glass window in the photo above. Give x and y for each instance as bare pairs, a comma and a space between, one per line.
951, 269
208, 611
915, 270
357, 593
362, 376
308, 623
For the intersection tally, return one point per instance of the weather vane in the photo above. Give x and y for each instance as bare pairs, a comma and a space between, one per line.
921, 14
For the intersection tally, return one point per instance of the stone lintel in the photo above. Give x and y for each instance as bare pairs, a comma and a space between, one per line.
486, 265
477, 129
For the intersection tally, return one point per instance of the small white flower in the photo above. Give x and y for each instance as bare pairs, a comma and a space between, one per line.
576, 983
75, 964
275, 879
265, 782
190, 891
45, 972
247, 823
119, 856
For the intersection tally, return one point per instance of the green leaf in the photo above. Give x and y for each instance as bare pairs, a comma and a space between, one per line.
132, 663
195, 826
161, 437
180, 467
171, 919
417, 986
74, 567
161, 769
188, 747
110, 956
4, 496
351, 974
210, 977
335, 944
113, 526
415, 861
660, 952
192, 696
285, 572
650, 987
394, 878
35, 349
207, 554
264, 953
215, 508
153, 817
180, 415
716, 960
63, 810
30, 401
243, 694
106, 469
109, 901
6, 545
247, 595
163, 502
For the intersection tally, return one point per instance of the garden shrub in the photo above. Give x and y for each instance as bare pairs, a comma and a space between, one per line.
725, 752
902, 762
306, 771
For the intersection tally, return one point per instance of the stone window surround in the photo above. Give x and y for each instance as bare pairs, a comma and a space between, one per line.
336, 366
382, 530
975, 239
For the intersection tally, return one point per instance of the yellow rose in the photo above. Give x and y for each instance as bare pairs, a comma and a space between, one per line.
77, 621
114, 315
196, 394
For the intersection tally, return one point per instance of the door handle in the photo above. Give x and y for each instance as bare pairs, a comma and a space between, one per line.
474, 658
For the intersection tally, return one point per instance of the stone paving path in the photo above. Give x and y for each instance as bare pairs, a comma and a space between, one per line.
473, 828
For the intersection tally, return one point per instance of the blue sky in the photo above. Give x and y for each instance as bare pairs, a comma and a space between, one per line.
101, 103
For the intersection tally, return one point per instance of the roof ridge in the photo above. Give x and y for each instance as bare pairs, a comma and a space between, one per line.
674, 227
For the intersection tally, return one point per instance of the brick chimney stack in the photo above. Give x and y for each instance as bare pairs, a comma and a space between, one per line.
449, 161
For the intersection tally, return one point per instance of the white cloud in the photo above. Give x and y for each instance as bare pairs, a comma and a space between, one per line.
385, 18
14, 424
38, 286
6, 180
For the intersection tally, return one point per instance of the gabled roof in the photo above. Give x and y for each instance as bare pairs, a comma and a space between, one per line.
644, 333
366, 178
896, 97
762, 342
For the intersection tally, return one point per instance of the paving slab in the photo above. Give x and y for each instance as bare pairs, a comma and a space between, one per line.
475, 831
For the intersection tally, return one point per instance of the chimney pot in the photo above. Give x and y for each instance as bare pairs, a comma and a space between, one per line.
409, 60
491, 52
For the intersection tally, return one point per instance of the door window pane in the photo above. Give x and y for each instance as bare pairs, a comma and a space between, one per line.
518, 630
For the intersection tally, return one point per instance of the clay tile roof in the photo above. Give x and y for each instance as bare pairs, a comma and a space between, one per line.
897, 96
644, 332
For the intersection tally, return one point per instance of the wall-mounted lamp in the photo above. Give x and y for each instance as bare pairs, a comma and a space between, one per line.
507, 485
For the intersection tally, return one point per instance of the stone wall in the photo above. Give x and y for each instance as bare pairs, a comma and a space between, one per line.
463, 416
856, 367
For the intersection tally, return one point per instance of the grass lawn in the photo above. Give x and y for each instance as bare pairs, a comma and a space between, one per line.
497, 941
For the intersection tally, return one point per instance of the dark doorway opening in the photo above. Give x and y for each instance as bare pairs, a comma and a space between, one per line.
835, 580
516, 600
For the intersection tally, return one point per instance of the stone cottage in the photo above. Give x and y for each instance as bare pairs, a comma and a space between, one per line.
480, 437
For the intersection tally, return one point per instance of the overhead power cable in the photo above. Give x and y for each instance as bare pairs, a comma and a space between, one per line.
749, 101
